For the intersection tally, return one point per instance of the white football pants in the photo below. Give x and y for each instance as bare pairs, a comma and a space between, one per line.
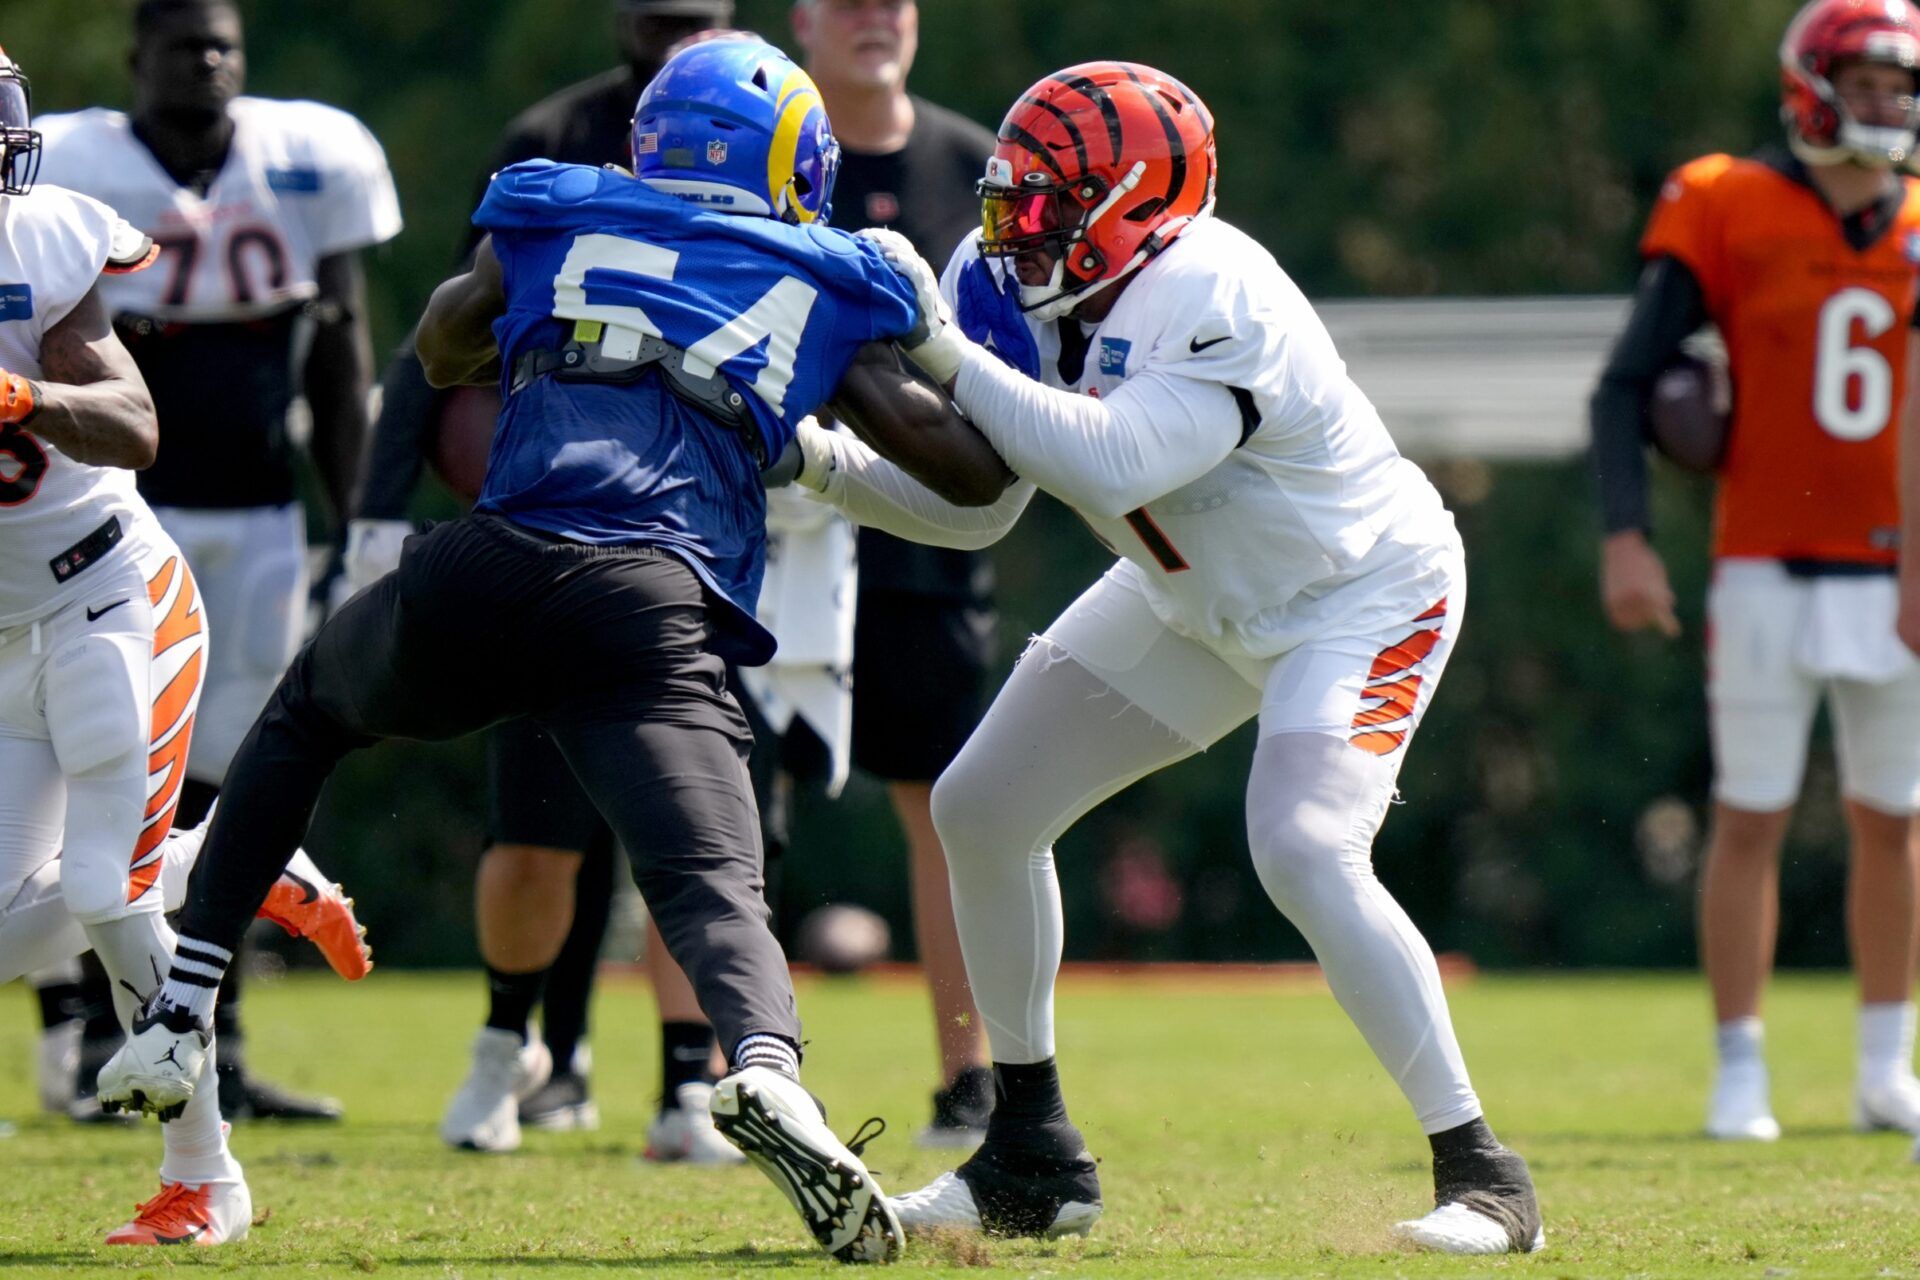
1072, 727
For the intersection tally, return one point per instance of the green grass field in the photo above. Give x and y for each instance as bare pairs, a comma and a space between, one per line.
1243, 1129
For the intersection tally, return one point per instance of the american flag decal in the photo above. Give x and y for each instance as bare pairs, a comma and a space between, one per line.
647, 144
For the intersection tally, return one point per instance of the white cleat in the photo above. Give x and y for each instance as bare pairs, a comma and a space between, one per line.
1891, 1104
59, 1062
1739, 1110
210, 1213
1454, 1228
684, 1134
484, 1114
156, 1069
778, 1124
947, 1204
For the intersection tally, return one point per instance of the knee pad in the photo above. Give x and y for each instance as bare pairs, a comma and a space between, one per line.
1314, 803
96, 705
96, 863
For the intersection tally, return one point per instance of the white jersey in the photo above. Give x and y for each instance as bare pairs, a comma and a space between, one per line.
1261, 529
54, 245
301, 181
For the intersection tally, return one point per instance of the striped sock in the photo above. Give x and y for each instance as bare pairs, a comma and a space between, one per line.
776, 1053
193, 982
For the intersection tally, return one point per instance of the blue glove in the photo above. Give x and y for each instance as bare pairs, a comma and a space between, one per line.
991, 316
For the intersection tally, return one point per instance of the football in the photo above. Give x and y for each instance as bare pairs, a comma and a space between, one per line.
1688, 414
462, 438
843, 938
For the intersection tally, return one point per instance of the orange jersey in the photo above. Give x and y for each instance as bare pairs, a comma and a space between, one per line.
1816, 335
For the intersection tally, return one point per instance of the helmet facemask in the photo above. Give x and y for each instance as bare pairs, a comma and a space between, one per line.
19, 143
1040, 215
1872, 144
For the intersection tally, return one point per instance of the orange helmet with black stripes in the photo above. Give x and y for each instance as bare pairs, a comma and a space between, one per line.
1101, 165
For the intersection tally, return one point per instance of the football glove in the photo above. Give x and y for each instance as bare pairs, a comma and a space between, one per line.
934, 343
17, 401
816, 455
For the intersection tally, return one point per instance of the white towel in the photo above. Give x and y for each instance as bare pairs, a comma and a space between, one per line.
807, 601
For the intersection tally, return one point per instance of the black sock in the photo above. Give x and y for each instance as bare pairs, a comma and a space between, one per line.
60, 1002
1466, 1155
569, 989
686, 1056
1026, 1095
96, 995
511, 997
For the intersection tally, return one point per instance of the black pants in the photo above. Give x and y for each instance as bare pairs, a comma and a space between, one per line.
607, 649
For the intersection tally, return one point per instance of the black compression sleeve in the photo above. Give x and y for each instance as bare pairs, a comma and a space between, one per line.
1667, 307
408, 409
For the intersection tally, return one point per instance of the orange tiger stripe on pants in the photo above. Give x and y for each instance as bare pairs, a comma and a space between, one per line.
179, 665
1393, 688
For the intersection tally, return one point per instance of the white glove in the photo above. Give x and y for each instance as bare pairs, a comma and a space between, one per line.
935, 344
373, 551
816, 455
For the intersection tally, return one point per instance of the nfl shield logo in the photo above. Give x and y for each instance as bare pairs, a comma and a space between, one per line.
716, 152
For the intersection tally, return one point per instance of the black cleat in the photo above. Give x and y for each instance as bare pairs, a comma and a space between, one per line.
1483, 1204
247, 1097
562, 1103
960, 1111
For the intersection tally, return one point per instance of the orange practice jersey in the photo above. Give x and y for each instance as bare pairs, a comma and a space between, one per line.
1816, 335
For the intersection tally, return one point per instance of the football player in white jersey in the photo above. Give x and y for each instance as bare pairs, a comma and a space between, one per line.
102, 644
260, 209
1279, 559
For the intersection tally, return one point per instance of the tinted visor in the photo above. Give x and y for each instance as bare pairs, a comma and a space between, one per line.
1014, 220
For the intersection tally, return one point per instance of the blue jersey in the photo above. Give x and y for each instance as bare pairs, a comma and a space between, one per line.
777, 310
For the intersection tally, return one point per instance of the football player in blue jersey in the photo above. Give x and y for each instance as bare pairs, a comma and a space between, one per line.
658, 336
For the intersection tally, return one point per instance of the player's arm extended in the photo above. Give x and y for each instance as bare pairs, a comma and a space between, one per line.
337, 377
90, 402
909, 422
875, 493
455, 339
1156, 432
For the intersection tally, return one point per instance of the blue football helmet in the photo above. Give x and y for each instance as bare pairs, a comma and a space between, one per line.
737, 126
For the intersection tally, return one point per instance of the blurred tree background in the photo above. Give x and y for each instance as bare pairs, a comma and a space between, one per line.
1555, 800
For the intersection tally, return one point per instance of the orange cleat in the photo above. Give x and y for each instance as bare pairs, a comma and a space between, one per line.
211, 1213
308, 905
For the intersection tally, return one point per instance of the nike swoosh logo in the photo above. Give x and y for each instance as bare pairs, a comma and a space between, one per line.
306, 887
1196, 346
94, 615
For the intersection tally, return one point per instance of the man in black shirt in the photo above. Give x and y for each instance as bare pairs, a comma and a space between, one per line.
924, 629
548, 872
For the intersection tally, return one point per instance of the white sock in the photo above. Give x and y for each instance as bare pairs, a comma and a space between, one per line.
1740, 1040
1886, 1040
767, 1051
193, 983
133, 950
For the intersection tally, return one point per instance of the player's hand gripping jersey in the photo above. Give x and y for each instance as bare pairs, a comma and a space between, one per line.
54, 247
593, 257
1816, 332
214, 324
1242, 472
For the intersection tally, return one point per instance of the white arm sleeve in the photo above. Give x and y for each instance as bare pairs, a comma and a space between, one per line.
873, 492
1156, 432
